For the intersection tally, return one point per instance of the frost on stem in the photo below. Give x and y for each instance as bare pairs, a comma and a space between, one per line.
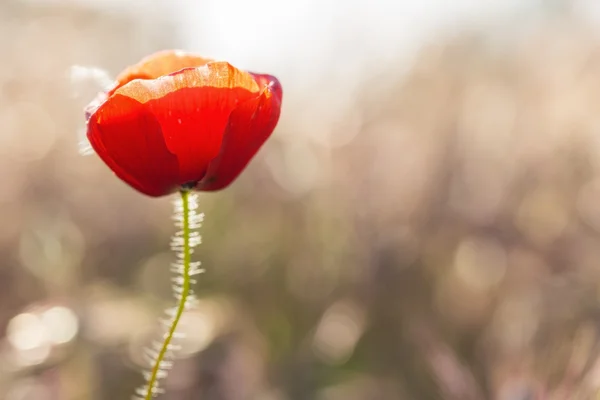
160, 355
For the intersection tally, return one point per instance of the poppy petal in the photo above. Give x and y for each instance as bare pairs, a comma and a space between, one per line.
159, 64
250, 125
193, 107
129, 139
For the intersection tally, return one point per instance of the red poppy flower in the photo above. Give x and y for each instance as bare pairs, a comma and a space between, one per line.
178, 120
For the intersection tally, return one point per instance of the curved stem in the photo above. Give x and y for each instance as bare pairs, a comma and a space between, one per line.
182, 298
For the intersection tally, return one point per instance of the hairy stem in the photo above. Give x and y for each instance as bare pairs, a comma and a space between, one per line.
184, 245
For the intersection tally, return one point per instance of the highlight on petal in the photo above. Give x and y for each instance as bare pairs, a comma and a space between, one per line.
215, 74
160, 64
250, 125
129, 139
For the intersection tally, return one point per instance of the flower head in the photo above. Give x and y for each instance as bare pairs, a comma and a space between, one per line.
178, 120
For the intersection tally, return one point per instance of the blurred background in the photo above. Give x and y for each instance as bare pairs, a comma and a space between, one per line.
424, 223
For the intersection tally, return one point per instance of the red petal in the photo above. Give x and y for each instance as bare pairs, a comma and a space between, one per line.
193, 107
129, 139
250, 125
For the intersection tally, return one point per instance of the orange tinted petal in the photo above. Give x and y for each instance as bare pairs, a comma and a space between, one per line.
250, 125
129, 139
160, 64
216, 74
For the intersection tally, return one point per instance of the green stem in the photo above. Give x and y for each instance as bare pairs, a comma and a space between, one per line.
185, 291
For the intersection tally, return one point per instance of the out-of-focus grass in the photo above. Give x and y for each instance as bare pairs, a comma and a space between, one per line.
443, 242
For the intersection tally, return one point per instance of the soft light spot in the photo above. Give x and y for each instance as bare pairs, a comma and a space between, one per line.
480, 263
338, 332
201, 325
61, 324
26, 331
198, 330
28, 336
542, 216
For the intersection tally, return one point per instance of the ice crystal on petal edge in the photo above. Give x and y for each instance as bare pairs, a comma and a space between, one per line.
87, 83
